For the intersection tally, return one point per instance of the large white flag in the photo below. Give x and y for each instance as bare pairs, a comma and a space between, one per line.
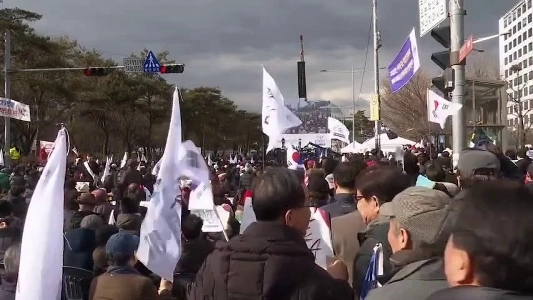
276, 117
41, 258
439, 109
160, 239
338, 131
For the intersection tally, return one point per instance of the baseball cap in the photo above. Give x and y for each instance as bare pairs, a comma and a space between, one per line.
471, 160
122, 243
423, 212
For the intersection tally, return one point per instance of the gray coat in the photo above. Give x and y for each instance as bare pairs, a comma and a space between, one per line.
415, 281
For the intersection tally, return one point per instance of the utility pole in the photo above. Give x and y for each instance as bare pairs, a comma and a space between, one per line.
353, 105
377, 45
457, 32
7, 95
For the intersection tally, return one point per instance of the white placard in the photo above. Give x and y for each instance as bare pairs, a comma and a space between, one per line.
133, 65
317, 238
432, 13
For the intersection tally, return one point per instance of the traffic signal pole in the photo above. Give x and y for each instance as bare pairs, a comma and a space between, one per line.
7, 94
377, 45
457, 15
165, 69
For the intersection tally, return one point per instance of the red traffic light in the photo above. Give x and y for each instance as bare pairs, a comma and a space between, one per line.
172, 68
95, 71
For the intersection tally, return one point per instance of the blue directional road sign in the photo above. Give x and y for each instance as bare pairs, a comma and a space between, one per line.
151, 64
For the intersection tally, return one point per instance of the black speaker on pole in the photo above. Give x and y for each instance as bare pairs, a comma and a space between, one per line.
302, 90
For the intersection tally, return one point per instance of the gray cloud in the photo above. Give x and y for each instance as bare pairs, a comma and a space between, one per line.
224, 43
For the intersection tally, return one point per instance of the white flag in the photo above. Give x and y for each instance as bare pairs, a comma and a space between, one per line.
107, 169
439, 109
156, 168
160, 238
338, 131
276, 117
124, 160
40, 271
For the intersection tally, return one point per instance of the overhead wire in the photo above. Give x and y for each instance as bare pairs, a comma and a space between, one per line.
366, 58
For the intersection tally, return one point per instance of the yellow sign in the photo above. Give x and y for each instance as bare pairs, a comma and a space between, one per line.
374, 108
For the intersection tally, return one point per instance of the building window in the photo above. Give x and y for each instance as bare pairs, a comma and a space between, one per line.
519, 52
514, 43
529, 32
529, 18
531, 89
514, 55
519, 25
526, 90
514, 29
530, 46
524, 64
530, 75
519, 39
519, 11
528, 3
515, 81
524, 49
524, 36
530, 61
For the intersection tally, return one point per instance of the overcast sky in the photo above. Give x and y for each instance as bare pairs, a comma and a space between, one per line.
224, 43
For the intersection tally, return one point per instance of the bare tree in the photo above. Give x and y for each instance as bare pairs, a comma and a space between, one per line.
406, 110
482, 66
518, 109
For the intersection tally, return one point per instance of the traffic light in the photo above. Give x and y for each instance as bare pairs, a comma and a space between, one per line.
444, 82
172, 68
96, 71
442, 36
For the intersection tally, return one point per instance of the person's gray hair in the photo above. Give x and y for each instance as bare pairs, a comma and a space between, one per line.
93, 222
12, 259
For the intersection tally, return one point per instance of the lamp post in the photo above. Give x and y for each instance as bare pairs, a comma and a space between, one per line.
299, 143
283, 143
353, 72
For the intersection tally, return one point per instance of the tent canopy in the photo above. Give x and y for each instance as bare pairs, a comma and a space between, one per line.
354, 147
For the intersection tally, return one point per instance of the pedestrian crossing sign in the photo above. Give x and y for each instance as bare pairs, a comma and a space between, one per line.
151, 64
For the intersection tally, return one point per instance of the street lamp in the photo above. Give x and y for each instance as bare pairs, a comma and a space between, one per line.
353, 72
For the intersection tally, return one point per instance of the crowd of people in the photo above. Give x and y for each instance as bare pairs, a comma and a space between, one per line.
313, 121
446, 232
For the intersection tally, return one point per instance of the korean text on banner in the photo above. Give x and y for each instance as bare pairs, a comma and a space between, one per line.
14, 109
338, 131
405, 64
